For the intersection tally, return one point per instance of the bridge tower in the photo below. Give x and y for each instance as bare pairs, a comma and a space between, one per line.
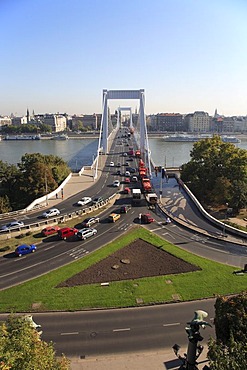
141, 137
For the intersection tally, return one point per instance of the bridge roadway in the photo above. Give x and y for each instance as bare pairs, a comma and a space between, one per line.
225, 252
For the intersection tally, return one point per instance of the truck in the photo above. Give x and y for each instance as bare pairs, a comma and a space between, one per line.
146, 185
138, 153
136, 196
151, 198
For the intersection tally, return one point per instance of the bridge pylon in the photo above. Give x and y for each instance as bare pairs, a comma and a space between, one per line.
141, 139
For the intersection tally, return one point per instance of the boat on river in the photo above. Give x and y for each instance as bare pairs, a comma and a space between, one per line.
22, 137
193, 138
60, 137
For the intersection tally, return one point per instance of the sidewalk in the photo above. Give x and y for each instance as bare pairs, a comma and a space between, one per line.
155, 360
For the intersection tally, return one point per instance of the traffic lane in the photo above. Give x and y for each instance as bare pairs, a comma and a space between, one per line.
54, 254
210, 248
122, 330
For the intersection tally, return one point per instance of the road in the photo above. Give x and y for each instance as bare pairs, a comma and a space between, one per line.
116, 331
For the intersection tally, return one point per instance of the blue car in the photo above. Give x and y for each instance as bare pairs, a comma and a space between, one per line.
25, 249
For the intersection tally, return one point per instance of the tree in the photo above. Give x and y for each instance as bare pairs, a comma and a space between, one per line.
229, 350
21, 348
217, 166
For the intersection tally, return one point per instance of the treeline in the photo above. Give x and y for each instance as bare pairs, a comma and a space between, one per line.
26, 129
217, 173
35, 176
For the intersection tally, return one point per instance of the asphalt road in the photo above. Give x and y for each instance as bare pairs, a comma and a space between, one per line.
116, 331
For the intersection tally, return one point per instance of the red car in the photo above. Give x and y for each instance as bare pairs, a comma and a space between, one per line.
49, 230
126, 191
127, 180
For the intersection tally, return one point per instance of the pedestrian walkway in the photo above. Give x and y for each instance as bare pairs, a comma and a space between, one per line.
155, 360
78, 183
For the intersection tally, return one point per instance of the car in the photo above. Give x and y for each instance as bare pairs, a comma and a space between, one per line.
132, 170
116, 184
130, 159
127, 180
51, 213
119, 164
127, 190
127, 173
49, 230
83, 234
67, 232
118, 173
111, 164
125, 154
84, 201
90, 221
12, 225
125, 208
98, 200
127, 164
113, 217
25, 249
134, 179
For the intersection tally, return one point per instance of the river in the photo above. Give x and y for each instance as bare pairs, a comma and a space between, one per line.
80, 152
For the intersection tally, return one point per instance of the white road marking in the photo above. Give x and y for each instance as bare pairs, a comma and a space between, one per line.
172, 324
72, 333
125, 329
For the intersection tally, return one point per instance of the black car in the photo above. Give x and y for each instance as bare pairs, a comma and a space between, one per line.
125, 209
118, 172
88, 222
98, 200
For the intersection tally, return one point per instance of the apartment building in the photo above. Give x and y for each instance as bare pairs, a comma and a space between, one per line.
198, 122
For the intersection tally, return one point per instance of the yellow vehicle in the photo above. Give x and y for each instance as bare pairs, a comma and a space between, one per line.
113, 217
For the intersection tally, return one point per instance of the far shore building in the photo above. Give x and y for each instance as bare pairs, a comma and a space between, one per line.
5, 121
163, 122
198, 122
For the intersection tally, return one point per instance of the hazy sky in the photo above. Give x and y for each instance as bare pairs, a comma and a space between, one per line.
58, 55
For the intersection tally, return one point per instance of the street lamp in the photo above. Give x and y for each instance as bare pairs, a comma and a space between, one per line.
46, 188
224, 227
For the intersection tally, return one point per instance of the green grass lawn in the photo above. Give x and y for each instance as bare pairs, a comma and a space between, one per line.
41, 293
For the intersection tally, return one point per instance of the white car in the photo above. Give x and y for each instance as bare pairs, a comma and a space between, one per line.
51, 213
111, 164
83, 234
116, 184
127, 173
12, 225
84, 200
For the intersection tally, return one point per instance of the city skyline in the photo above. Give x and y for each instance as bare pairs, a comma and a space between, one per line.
59, 56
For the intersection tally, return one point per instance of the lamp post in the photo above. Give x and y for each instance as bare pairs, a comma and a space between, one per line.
224, 227
46, 188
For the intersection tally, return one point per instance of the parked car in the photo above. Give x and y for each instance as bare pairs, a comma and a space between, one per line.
119, 164
127, 180
83, 234
125, 154
118, 173
127, 173
116, 184
25, 249
125, 208
134, 179
127, 190
84, 201
67, 232
51, 213
49, 230
111, 164
88, 222
98, 200
12, 225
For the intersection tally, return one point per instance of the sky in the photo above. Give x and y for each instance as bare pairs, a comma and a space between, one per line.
59, 55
